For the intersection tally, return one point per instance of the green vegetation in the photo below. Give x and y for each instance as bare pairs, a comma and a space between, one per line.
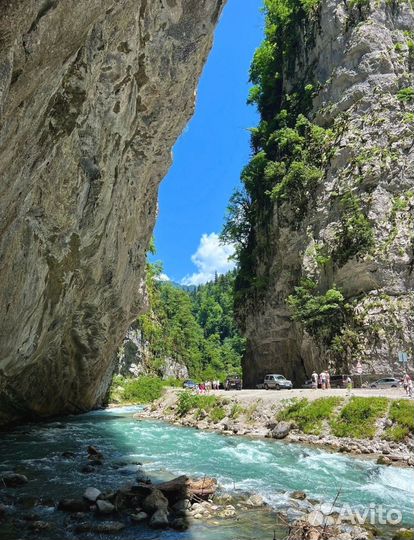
406, 95
321, 315
236, 411
196, 327
289, 151
356, 236
200, 405
357, 419
309, 416
402, 415
141, 390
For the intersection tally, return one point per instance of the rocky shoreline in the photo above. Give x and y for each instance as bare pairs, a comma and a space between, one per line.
260, 422
176, 504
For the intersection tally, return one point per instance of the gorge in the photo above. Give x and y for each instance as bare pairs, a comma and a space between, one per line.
92, 98
91, 106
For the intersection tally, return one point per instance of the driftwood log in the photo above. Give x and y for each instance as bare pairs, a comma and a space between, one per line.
189, 488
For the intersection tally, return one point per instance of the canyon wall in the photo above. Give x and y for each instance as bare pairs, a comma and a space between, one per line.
93, 95
331, 193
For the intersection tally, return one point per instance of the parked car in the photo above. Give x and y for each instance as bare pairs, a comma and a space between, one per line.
277, 381
190, 385
233, 382
387, 382
307, 384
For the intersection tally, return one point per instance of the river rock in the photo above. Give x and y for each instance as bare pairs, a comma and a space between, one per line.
255, 501
12, 479
159, 519
73, 505
91, 494
140, 516
383, 460
104, 507
299, 495
39, 525
227, 512
281, 430
155, 501
181, 507
179, 524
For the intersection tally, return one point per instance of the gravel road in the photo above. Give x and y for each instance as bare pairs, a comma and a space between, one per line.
274, 396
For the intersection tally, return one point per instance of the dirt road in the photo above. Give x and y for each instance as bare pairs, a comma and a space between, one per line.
275, 396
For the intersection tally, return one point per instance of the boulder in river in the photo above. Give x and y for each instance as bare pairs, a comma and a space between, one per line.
159, 519
94, 453
281, 430
104, 507
179, 524
91, 494
155, 501
181, 507
12, 479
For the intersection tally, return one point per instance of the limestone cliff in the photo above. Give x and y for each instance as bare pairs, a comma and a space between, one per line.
330, 192
136, 358
93, 95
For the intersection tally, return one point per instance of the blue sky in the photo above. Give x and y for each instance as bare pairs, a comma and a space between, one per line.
211, 152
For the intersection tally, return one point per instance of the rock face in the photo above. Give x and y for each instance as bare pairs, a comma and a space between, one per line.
136, 358
360, 58
92, 98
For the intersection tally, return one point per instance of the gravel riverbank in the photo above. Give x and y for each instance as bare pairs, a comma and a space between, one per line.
255, 414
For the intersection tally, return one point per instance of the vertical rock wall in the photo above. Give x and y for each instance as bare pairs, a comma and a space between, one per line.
93, 95
360, 58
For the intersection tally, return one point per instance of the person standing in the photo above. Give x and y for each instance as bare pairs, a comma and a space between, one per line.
349, 385
314, 378
406, 382
328, 379
409, 387
323, 380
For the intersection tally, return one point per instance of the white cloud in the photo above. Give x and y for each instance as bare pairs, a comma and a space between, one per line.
163, 277
211, 257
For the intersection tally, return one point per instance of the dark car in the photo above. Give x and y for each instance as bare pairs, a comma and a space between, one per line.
190, 385
307, 384
233, 383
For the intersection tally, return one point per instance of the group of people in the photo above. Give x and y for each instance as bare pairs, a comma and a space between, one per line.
408, 385
323, 380
205, 387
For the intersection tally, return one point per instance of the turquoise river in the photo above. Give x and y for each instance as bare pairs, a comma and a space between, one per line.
271, 468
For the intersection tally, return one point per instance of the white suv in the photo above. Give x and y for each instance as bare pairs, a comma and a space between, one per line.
277, 381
